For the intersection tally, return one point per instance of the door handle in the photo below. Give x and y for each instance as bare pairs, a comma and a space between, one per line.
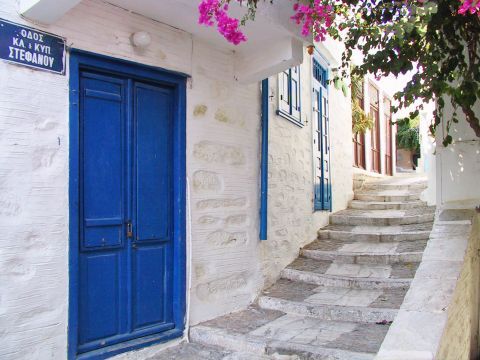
129, 229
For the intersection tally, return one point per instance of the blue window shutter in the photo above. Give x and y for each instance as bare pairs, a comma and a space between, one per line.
322, 174
284, 89
326, 175
295, 92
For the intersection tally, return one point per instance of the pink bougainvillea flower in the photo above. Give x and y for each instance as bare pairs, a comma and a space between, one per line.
214, 11
315, 18
470, 6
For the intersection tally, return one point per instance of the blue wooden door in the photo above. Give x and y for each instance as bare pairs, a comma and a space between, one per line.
125, 243
321, 139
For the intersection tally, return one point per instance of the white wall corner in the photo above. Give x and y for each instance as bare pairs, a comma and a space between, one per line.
262, 62
45, 11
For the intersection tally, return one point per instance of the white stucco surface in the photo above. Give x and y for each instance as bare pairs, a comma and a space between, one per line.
458, 164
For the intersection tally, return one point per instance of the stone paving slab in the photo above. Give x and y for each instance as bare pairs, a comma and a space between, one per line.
287, 332
364, 252
386, 196
361, 247
324, 295
377, 233
383, 217
195, 351
394, 271
191, 351
392, 205
333, 303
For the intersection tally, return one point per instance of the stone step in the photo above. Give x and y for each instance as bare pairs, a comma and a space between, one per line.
377, 233
353, 276
331, 303
381, 205
415, 186
387, 195
193, 351
364, 252
382, 217
269, 332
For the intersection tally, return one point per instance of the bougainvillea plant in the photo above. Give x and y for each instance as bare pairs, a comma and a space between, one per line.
438, 39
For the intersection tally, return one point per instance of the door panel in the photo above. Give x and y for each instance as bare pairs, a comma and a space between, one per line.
125, 274
100, 293
151, 293
102, 135
153, 154
102, 210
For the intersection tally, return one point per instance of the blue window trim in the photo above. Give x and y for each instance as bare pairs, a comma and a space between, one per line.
288, 115
80, 60
264, 164
290, 118
323, 86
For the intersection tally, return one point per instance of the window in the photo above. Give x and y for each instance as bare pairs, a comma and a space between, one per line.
388, 136
289, 95
321, 138
375, 132
359, 138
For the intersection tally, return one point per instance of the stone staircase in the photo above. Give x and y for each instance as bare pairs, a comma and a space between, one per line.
338, 298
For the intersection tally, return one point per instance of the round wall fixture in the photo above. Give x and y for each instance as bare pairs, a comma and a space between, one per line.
141, 39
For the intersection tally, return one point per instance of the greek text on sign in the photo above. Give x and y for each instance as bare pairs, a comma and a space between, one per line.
30, 47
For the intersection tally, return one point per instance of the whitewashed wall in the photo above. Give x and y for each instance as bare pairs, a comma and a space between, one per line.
223, 144
458, 164
292, 222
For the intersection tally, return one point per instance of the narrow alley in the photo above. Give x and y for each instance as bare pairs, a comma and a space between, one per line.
337, 299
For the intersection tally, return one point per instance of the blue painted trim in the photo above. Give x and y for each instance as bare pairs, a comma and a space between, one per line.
290, 118
264, 163
81, 60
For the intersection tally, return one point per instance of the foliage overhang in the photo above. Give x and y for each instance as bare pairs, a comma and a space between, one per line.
437, 39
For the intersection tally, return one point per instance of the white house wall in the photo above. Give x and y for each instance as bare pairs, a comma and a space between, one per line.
458, 164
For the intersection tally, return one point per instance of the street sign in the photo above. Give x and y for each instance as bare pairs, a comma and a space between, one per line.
31, 47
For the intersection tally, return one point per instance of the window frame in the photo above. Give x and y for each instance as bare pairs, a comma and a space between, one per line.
321, 201
286, 109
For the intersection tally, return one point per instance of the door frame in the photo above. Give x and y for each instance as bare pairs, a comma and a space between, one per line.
82, 60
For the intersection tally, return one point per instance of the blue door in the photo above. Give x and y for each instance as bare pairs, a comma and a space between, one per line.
321, 139
126, 242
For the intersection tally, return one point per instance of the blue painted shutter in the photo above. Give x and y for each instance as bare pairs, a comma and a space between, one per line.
284, 88
295, 92
325, 130
321, 140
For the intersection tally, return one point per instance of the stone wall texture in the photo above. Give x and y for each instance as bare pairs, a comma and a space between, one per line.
460, 337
